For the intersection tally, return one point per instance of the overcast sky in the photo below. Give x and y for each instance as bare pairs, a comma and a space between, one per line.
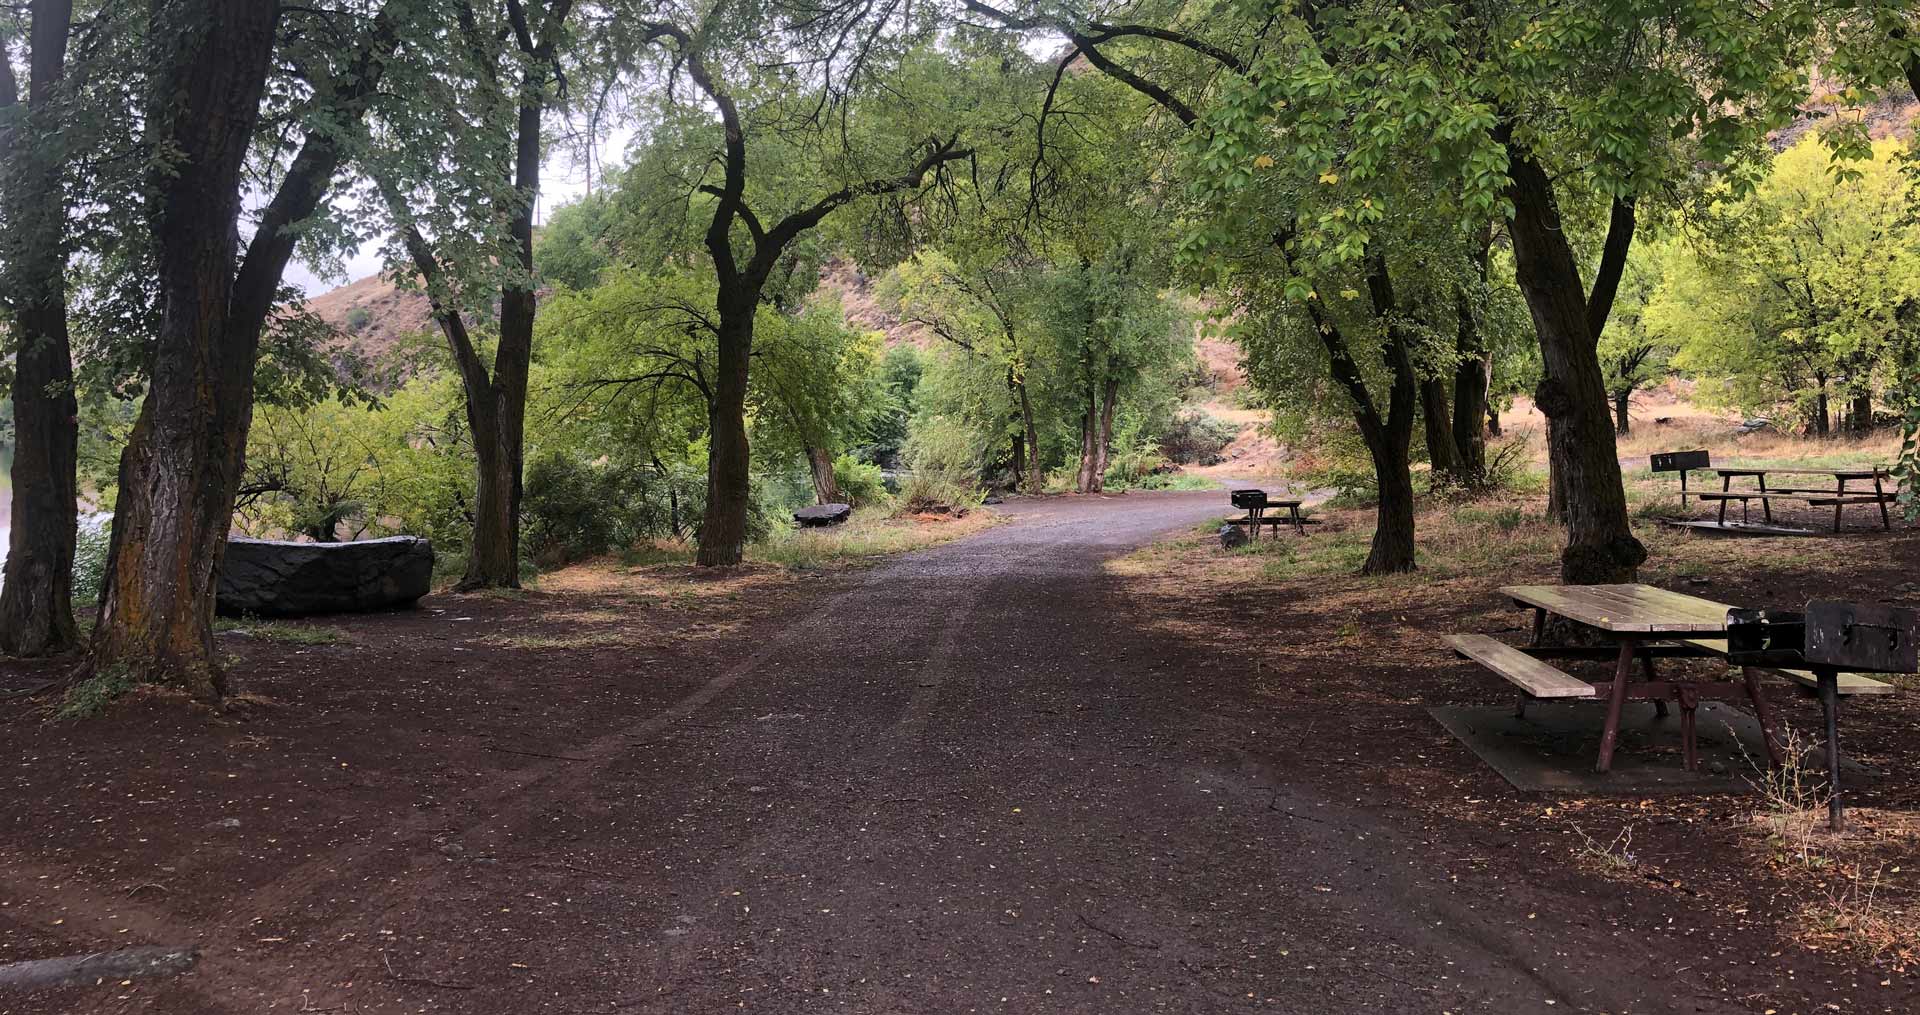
563, 179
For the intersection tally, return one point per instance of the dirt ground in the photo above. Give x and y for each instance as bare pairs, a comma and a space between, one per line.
1037, 770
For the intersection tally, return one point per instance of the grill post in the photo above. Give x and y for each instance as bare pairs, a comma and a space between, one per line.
1830, 704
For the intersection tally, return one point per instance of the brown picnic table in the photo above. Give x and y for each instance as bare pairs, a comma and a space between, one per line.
1837, 495
1648, 623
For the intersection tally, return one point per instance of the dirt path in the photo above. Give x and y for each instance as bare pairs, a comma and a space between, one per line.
966, 782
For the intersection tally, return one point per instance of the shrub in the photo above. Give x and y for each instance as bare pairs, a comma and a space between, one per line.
946, 460
358, 318
1133, 462
860, 482
573, 509
1196, 438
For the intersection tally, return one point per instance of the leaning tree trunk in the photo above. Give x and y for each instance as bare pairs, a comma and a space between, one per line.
723, 530
1821, 427
36, 601
1601, 547
826, 488
183, 462
1622, 421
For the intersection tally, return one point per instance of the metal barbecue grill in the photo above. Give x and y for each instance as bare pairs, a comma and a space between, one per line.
1829, 638
1248, 500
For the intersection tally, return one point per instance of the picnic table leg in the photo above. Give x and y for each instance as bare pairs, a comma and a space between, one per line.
1766, 506
1763, 713
1839, 494
1881, 496
1646, 671
1689, 743
1616, 701
1300, 525
1830, 704
1539, 626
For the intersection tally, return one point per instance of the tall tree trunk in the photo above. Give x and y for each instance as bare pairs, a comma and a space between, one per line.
183, 463
723, 530
1019, 435
1821, 426
1442, 454
1862, 413
1601, 547
1089, 440
36, 602
1103, 448
1622, 420
1033, 478
826, 488
1392, 551
1472, 376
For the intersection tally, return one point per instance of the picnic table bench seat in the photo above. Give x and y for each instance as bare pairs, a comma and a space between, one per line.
1825, 497
1531, 675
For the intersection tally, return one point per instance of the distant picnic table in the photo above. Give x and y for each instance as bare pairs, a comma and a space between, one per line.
1800, 485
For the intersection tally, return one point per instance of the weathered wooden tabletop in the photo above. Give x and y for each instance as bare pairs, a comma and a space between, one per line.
1626, 609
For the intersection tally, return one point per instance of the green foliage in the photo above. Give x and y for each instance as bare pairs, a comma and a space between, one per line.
94, 539
946, 458
1799, 288
1194, 436
861, 482
91, 696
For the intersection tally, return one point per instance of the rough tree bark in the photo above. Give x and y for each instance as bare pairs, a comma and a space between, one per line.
1861, 415
826, 488
182, 465
1601, 547
1086, 480
1473, 374
1103, 447
723, 529
36, 602
1622, 403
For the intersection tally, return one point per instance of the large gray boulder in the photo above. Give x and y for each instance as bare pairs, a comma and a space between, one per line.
822, 514
271, 578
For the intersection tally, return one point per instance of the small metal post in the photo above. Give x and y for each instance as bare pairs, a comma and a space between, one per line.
1830, 702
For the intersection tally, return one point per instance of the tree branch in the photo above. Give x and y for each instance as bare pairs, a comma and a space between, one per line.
1613, 263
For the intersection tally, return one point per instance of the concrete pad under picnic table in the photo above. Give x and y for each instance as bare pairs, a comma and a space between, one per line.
1552, 750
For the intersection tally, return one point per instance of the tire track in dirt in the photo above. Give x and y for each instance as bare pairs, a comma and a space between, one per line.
410, 847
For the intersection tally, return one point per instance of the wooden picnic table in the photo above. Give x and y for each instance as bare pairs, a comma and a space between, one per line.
1643, 622
1838, 496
